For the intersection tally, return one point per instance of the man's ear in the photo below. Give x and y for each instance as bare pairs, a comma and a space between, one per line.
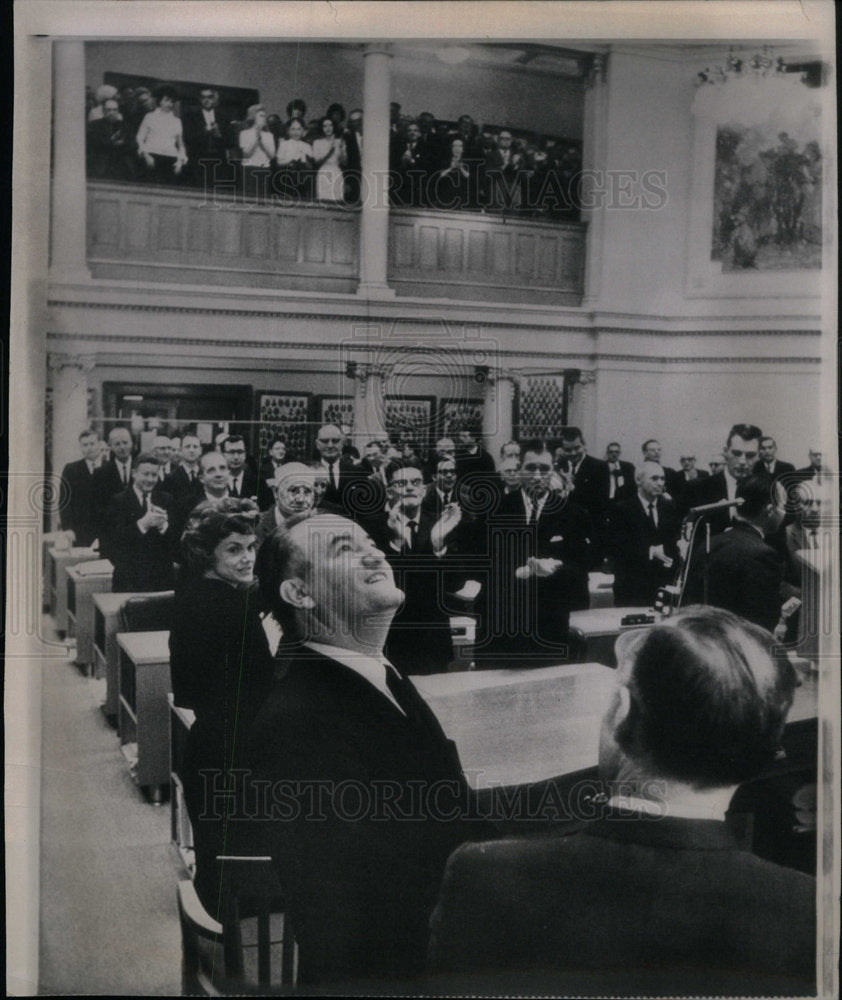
294, 591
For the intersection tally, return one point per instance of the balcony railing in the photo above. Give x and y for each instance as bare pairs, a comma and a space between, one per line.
152, 233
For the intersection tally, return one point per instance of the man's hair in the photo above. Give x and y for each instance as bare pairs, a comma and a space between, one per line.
88, 432
536, 445
118, 427
279, 559
709, 699
207, 454
647, 442
209, 523
145, 458
506, 444
613, 444
748, 432
768, 437
406, 463
755, 493
277, 439
189, 434
232, 439
571, 434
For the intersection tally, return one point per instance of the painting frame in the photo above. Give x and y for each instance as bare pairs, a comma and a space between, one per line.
262, 435
705, 277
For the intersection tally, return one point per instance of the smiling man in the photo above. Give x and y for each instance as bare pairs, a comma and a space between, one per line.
361, 794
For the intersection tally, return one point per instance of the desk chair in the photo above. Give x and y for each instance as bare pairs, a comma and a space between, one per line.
251, 952
148, 612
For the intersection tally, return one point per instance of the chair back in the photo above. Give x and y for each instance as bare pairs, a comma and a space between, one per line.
148, 612
250, 951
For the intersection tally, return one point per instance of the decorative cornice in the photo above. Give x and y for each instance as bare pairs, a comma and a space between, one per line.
365, 346
591, 330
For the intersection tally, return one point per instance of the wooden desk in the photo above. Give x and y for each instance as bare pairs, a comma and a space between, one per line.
106, 651
81, 587
60, 560
601, 626
518, 726
143, 714
48, 542
181, 831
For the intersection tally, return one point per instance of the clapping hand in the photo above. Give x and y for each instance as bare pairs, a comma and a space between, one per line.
450, 518
537, 567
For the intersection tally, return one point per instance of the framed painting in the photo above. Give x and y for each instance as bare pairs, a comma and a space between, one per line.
756, 214
410, 418
459, 414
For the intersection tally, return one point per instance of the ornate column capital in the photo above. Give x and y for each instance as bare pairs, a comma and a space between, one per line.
597, 71
81, 362
378, 49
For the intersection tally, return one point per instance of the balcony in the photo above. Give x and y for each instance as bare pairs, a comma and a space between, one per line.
174, 235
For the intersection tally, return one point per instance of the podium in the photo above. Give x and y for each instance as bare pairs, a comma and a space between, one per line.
81, 587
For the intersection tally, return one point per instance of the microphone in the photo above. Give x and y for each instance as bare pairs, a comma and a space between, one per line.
719, 505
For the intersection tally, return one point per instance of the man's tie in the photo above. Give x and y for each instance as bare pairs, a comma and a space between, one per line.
814, 538
331, 475
124, 473
653, 517
533, 513
413, 534
401, 692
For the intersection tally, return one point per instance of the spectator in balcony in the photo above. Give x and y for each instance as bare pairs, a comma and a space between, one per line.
138, 105
410, 163
275, 126
295, 109
102, 94
329, 157
467, 131
110, 145
257, 148
295, 158
160, 141
206, 138
336, 113
451, 187
504, 168
394, 118
427, 124
353, 150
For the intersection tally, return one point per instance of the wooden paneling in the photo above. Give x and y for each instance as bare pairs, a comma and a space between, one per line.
171, 235
161, 234
466, 255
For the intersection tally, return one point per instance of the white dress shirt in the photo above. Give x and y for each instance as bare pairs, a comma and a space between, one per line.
369, 667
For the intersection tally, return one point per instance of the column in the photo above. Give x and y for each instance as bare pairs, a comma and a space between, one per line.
374, 219
369, 410
582, 410
68, 244
70, 410
595, 154
497, 410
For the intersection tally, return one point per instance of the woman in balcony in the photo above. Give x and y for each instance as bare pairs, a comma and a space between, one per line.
257, 146
451, 187
329, 156
295, 158
160, 142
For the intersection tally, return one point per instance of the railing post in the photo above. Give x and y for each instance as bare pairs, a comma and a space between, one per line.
374, 221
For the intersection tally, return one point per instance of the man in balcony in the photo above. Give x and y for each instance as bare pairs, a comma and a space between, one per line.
354, 152
110, 145
410, 163
207, 140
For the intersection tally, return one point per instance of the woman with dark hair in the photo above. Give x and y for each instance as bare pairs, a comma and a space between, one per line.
160, 142
451, 186
221, 667
330, 157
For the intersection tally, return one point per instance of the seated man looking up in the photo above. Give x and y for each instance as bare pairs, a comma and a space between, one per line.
654, 898
363, 796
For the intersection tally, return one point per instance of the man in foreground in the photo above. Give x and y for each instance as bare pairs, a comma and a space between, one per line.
655, 897
362, 796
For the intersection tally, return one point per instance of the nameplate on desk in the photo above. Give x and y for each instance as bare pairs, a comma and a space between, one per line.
641, 619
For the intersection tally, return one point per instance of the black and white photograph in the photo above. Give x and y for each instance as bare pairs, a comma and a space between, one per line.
422, 550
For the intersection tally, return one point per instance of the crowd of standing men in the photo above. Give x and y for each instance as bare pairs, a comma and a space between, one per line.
512, 540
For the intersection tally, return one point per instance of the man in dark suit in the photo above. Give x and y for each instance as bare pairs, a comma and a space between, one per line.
343, 476
815, 470
655, 897
185, 479
591, 486
353, 147
642, 540
621, 485
140, 545
207, 140
744, 573
294, 493
164, 450
415, 541
361, 869
111, 478
740, 453
538, 550
243, 482
77, 511
410, 163
679, 479
768, 464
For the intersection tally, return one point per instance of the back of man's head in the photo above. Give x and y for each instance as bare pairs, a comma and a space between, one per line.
708, 699
756, 493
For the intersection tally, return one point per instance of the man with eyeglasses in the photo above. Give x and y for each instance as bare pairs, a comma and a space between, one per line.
243, 481
294, 494
415, 543
206, 137
537, 546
